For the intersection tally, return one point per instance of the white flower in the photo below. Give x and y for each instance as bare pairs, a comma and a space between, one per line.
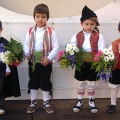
106, 51
68, 47
110, 51
71, 52
76, 49
106, 58
4, 57
111, 56
73, 47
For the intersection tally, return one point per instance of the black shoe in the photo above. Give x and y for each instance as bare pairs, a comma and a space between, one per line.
78, 108
111, 109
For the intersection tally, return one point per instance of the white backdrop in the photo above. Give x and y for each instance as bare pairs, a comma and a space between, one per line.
64, 85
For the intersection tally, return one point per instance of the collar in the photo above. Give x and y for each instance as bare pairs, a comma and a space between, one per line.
87, 33
39, 29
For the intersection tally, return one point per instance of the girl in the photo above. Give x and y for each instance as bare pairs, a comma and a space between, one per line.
92, 41
114, 81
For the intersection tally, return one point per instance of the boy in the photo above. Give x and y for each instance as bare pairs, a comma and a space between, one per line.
92, 41
41, 39
9, 82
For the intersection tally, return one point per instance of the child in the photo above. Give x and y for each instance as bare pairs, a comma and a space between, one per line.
40, 38
114, 81
9, 82
92, 41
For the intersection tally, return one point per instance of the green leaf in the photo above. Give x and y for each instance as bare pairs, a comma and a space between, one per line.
16, 50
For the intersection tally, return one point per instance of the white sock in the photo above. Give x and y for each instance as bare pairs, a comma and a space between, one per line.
114, 93
33, 94
46, 96
81, 91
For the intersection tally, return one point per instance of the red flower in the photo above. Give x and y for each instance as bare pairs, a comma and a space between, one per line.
14, 63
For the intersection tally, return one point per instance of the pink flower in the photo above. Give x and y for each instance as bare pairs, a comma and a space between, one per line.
99, 53
60, 54
96, 59
97, 56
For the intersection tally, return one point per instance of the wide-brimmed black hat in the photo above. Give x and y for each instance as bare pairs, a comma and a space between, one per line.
0, 24
87, 13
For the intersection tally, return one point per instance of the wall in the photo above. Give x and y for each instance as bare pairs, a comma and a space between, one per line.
64, 84
64, 31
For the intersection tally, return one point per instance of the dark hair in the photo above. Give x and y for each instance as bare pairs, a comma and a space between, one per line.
41, 9
0, 24
119, 26
97, 29
94, 19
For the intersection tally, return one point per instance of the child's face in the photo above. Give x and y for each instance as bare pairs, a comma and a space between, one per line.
40, 19
88, 25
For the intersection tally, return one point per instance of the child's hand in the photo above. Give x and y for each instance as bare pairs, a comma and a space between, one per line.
7, 73
29, 57
45, 61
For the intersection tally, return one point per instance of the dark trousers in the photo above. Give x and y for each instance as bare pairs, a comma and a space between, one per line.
86, 73
40, 77
2, 97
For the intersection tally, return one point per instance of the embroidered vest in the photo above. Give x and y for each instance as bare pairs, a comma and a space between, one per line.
93, 40
47, 45
115, 48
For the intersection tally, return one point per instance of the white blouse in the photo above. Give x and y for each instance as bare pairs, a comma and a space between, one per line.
39, 42
86, 45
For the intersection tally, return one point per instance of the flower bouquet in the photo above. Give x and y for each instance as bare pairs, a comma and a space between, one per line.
12, 54
72, 56
103, 63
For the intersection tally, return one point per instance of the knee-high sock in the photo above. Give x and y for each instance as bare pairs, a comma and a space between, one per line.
114, 93
91, 93
33, 94
46, 95
81, 91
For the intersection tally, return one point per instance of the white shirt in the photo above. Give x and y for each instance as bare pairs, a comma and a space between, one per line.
110, 47
39, 43
86, 45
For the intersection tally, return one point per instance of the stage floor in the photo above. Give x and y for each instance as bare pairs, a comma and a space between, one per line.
16, 110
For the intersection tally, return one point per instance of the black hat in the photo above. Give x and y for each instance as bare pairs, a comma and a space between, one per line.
87, 13
0, 24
